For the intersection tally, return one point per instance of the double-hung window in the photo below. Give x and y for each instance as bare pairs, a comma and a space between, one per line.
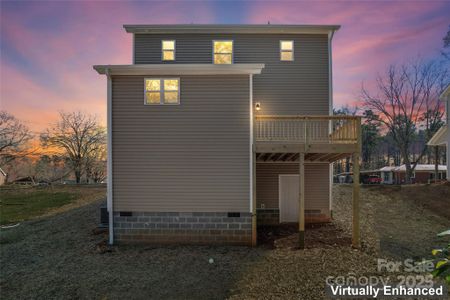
168, 50
286, 50
223, 52
162, 91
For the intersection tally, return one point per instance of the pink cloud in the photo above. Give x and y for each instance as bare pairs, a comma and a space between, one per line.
52, 67
373, 34
56, 72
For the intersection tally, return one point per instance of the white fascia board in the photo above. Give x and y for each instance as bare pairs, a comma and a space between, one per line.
440, 137
445, 94
231, 29
180, 69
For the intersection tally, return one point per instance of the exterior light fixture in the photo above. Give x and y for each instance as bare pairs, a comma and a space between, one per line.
258, 106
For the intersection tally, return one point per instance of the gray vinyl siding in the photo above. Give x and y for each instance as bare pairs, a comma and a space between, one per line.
317, 184
192, 157
284, 87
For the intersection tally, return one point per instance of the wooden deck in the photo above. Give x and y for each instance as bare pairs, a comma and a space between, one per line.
308, 139
321, 138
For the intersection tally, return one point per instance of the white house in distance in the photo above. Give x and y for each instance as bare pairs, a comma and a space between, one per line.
422, 174
442, 136
2, 177
387, 175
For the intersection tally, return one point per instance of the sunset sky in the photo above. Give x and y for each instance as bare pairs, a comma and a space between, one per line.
48, 48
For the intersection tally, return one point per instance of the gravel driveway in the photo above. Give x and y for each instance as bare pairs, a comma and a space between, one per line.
57, 257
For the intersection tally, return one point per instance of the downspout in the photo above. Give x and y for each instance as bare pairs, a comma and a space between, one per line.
330, 72
252, 165
109, 158
330, 111
251, 140
447, 105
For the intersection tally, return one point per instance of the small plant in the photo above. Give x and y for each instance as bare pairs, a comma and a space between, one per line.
442, 260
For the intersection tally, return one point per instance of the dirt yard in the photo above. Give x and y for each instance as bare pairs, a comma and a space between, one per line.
57, 257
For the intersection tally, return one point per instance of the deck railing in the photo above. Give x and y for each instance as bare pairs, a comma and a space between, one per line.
307, 129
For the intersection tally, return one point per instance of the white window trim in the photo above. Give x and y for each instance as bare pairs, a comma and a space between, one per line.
232, 51
161, 90
174, 50
281, 51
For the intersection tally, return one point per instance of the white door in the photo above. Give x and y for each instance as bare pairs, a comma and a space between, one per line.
288, 197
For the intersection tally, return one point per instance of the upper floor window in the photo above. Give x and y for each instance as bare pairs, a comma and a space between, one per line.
168, 49
286, 50
162, 91
223, 52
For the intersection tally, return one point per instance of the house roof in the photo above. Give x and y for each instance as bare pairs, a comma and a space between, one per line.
252, 29
446, 93
429, 167
179, 69
439, 138
419, 167
387, 169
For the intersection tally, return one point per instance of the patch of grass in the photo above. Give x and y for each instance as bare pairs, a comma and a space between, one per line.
16, 207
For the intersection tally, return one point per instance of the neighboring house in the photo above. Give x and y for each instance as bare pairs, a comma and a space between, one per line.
2, 177
214, 128
28, 180
442, 136
387, 175
421, 173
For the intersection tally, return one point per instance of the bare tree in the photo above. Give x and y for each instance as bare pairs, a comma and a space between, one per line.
446, 46
407, 98
79, 135
346, 110
51, 168
14, 138
95, 165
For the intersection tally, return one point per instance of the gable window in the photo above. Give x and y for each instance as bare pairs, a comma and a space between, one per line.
162, 91
286, 50
168, 50
223, 52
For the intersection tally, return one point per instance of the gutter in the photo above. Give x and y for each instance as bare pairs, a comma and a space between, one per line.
109, 197
330, 110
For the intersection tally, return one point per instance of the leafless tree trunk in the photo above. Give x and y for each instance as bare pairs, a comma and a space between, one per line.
406, 98
79, 135
96, 165
436, 163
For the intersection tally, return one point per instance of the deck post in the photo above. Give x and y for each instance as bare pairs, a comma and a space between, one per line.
356, 243
301, 201
254, 219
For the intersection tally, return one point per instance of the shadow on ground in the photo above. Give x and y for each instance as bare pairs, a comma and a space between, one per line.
58, 257
285, 236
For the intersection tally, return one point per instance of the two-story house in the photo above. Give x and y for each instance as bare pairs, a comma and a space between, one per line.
215, 128
442, 137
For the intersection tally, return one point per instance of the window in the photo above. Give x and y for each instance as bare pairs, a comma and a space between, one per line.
223, 52
286, 50
168, 50
162, 91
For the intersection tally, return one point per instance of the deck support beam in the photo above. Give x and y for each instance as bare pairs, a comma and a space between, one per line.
355, 202
356, 242
301, 201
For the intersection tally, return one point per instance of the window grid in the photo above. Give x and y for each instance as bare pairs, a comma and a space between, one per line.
223, 53
161, 90
287, 54
168, 50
